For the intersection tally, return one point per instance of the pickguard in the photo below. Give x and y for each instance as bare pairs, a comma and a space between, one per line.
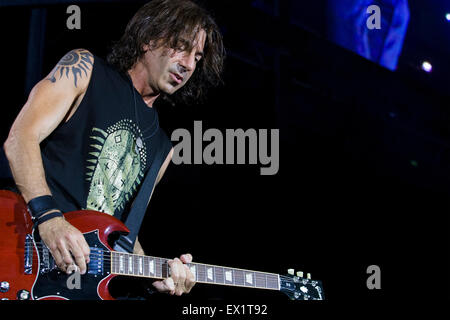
54, 283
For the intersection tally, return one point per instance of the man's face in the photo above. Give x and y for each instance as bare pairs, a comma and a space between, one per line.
169, 69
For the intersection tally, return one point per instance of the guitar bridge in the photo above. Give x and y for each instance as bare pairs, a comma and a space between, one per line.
28, 254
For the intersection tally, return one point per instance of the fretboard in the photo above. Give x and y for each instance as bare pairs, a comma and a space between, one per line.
153, 267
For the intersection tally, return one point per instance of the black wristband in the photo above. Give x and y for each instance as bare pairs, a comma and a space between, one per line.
48, 217
40, 205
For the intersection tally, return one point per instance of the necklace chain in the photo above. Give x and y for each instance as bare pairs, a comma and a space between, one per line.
138, 139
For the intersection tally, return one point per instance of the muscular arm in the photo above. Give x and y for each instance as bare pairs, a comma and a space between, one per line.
50, 102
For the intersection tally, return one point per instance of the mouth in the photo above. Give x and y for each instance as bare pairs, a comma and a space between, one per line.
176, 77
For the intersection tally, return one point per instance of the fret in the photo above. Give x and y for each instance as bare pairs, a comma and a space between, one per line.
218, 271
136, 265
140, 267
238, 277
113, 262
122, 264
201, 273
156, 268
229, 279
249, 278
260, 280
146, 266
134, 259
209, 273
129, 259
272, 281
125, 263
117, 263
152, 267
130, 264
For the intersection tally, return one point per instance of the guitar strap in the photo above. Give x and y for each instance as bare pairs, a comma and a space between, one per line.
134, 219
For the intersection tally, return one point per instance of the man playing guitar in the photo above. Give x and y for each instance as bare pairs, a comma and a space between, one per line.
88, 132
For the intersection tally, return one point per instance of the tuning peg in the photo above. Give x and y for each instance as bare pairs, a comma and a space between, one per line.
291, 271
300, 274
308, 276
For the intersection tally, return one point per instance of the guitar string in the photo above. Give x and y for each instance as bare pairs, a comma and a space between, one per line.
115, 264
41, 246
108, 258
203, 274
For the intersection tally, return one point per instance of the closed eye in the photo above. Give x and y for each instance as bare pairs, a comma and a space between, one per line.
198, 56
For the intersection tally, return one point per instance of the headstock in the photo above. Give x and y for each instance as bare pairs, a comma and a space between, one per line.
297, 287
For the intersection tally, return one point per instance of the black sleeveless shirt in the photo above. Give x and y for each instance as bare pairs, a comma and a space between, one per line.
98, 158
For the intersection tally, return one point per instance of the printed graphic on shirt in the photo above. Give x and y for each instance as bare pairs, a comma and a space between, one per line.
115, 166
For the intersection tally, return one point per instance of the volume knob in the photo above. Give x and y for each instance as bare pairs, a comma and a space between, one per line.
4, 286
23, 295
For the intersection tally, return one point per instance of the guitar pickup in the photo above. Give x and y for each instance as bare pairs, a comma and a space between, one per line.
95, 265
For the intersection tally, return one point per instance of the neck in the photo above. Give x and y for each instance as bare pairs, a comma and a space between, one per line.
138, 75
154, 267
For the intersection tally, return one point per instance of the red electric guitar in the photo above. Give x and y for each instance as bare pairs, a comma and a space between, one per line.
28, 272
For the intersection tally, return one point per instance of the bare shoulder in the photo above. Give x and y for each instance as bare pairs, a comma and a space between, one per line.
75, 67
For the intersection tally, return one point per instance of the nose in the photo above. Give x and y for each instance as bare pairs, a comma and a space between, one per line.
187, 62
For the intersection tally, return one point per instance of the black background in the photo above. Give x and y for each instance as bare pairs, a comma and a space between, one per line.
346, 196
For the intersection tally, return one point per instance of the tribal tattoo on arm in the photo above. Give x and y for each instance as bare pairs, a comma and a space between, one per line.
75, 62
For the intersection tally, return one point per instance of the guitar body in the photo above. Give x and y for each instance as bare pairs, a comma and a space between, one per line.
28, 267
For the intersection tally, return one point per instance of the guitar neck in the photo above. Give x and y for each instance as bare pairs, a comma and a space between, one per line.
158, 268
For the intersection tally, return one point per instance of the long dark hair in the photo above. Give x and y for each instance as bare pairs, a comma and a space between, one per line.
174, 24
